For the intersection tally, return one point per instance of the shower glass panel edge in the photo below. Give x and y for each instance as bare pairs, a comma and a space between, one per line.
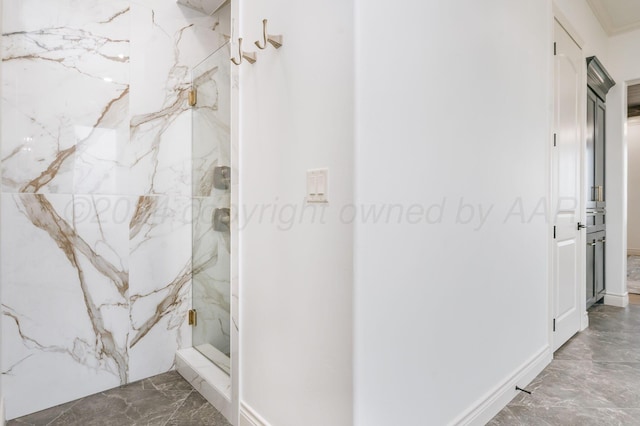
211, 194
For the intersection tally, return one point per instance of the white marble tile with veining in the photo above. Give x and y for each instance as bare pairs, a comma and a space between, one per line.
64, 304
207, 7
96, 287
160, 148
65, 86
160, 274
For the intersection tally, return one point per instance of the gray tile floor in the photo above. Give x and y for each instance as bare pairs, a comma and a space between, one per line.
164, 400
594, 378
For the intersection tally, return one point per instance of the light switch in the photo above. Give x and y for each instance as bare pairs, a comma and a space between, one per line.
317, 185
312, 184
321, 183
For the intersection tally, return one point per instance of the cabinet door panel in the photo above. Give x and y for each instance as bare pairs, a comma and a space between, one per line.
599, 268
599, 152
590, 186
590, 279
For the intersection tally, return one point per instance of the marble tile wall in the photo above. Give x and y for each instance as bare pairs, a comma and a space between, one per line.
96, 198
205, 6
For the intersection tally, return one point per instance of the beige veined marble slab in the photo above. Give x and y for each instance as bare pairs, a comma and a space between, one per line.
205, 6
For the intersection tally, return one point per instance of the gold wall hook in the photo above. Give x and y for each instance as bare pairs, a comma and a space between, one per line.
275, 40
249, 56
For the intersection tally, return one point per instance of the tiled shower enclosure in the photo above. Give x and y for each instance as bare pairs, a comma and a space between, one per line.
97, 197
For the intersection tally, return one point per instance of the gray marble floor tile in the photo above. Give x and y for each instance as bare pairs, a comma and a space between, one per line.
124, 407
140, 384
197, 411
633, 268
596, 345
560, 416
594, 378
618, 382
44, 417
170, 381
584, 384
564, 384
610, 318
166, 399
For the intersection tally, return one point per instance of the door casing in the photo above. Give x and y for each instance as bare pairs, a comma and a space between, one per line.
581, 260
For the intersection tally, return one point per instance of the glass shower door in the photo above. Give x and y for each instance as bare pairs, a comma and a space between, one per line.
211, 144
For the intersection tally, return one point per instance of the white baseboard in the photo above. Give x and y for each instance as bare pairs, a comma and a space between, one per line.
584, 323
491, 404
619, 300
633, 252
248, 417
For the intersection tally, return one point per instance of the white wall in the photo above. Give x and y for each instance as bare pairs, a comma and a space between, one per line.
447, 311
633, 189
625, 68
296, 284
449, 108
624, 62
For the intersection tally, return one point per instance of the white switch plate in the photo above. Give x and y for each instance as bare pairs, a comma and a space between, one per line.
317, 185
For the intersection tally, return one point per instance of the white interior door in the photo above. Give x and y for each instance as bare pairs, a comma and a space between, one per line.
567, 187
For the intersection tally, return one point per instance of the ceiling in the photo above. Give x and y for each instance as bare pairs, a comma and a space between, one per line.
617, 16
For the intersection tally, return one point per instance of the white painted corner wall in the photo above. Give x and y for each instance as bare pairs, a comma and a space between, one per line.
448, 312
296, 113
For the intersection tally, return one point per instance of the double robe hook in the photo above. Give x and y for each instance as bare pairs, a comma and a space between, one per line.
249, 56
274, 40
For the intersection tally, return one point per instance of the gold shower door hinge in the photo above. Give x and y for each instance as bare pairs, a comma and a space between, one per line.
193, 317
193, 97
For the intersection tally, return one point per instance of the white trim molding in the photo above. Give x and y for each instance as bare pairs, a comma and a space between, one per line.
584, 324
491, 404
619, 300
248, 416
2, 418
633, 251
569, 28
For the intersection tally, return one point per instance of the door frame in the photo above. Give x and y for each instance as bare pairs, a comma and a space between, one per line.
558, 16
